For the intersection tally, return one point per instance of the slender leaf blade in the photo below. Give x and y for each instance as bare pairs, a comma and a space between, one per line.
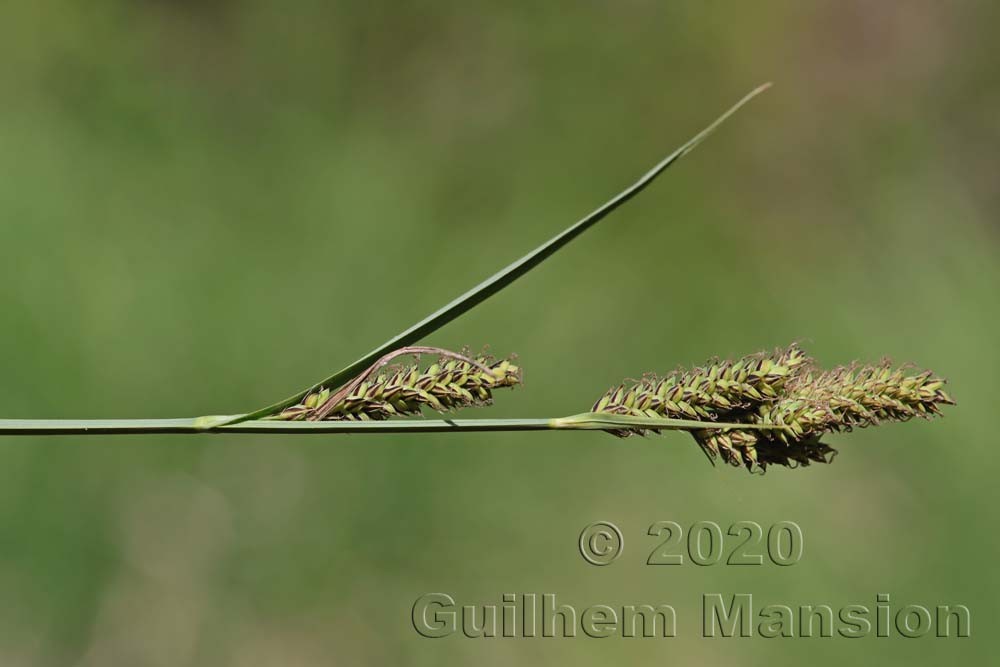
503, 278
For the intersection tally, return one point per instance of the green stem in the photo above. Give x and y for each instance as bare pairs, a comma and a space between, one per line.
588, 421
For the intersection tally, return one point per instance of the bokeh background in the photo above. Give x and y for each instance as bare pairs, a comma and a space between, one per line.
205, 206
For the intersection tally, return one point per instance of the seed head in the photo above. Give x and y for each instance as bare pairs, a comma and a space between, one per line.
850, 396
781, 388
719, 388
833, 401
447, 385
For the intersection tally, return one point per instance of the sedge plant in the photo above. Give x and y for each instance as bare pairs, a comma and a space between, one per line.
756, 411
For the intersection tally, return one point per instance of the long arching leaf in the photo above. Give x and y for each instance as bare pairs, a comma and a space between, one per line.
498, 281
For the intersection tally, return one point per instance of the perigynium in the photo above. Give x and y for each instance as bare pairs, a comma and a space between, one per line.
454, 381
782, 388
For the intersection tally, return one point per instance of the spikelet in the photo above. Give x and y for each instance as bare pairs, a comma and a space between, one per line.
447, 385
855, 396
817, 403
782, 388
719, 388
833, 401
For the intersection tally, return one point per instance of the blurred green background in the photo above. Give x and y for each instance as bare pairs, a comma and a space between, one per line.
205, 206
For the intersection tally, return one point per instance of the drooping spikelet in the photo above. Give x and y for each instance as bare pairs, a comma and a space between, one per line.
449, 384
